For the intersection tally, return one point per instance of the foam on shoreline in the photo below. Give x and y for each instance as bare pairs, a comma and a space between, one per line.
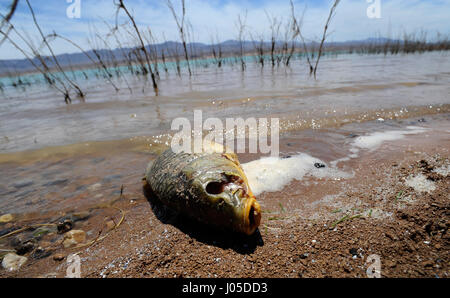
270, 174
273, 173
420, 183
374, 140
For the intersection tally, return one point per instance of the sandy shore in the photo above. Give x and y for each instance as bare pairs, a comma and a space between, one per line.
395, 205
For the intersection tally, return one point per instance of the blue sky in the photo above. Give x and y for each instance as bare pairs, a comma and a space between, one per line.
218, 17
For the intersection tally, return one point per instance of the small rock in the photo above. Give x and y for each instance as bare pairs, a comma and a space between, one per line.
13, 262
59, 257
6, 218
39, 232
319, 165
74, 237
23, 246
64, 226
304, 255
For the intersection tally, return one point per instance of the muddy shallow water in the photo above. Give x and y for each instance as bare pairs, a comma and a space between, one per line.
349, 88
76, 176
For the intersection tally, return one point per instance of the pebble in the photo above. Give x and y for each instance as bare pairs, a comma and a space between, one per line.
74, 237
13, 262
353, 251
59, 257
24, 247
6, 218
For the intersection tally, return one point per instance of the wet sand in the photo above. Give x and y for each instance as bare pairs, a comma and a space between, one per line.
313, 227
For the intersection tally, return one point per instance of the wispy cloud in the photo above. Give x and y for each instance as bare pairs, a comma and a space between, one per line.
218, 17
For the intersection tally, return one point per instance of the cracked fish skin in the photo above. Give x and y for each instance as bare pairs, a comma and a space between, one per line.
210, 187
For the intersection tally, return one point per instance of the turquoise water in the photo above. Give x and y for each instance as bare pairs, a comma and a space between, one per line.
88, 73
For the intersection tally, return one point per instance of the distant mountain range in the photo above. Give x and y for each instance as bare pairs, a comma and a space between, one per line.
170, 48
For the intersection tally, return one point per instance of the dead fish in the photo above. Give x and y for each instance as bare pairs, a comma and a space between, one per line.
210, 187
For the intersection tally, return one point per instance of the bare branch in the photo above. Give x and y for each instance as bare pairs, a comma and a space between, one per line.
181, 28
330, 16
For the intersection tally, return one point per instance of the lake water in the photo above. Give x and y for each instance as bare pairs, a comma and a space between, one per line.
54, 155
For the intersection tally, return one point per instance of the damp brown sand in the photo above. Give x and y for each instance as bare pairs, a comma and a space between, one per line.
312, 228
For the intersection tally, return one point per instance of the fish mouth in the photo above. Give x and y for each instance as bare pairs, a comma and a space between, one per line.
252, 216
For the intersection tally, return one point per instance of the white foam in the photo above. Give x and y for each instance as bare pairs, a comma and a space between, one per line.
420, 183
374, 140
444, 170
273, 173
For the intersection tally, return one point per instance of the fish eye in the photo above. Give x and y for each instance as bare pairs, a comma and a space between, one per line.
215, 188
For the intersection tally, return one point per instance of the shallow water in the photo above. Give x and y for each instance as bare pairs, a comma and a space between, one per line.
77, 177
55, 156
